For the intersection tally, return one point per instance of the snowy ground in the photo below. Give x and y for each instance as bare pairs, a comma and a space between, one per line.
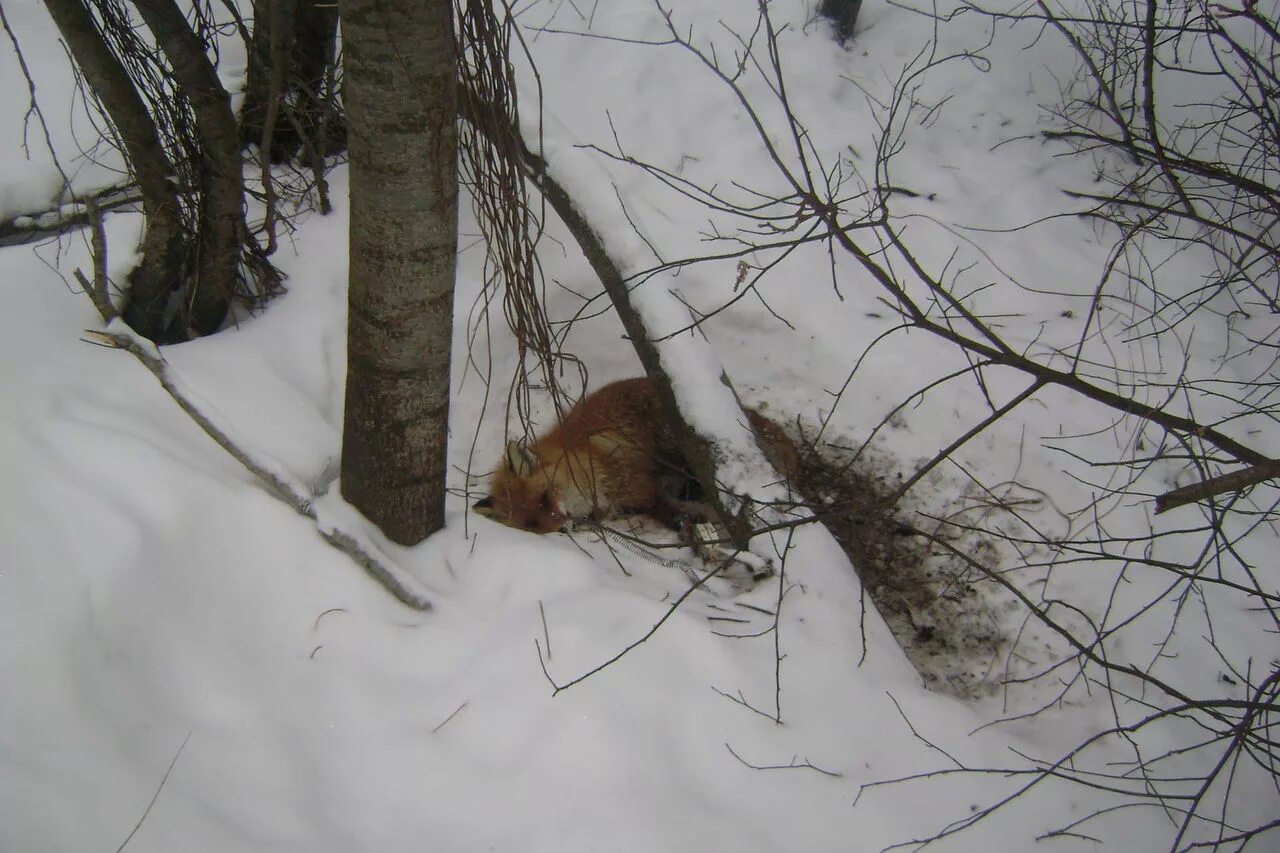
153, 595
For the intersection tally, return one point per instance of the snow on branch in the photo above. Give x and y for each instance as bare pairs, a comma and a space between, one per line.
278, 483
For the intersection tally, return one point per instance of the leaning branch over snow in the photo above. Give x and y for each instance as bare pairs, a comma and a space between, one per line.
697, 449
276, 484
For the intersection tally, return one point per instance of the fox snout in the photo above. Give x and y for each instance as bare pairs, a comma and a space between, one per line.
540, 516
522, 496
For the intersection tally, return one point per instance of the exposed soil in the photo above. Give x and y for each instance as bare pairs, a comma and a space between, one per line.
944, 618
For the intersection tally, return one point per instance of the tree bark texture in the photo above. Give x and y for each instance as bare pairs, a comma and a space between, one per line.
163, 246
222, 219
293, 47
401, 100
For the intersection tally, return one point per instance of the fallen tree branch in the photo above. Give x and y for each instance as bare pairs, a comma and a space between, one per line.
1236, 481
28, 228
276, 483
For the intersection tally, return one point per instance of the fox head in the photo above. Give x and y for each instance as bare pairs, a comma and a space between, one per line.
523, 494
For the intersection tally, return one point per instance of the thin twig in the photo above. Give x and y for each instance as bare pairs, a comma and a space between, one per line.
154, 796
794, 765
448, 718
652, 630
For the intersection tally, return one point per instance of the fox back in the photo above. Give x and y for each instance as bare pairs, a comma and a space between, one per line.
605, 458
608, 457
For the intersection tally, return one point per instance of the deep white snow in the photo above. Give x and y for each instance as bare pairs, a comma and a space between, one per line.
152, 594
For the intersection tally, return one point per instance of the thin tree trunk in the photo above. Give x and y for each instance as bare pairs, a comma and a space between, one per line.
843, 15
292, 49
266, 78
222, 219
162, 244
315, 29
401, 99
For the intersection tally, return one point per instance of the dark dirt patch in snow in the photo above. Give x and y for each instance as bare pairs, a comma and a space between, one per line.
942, 614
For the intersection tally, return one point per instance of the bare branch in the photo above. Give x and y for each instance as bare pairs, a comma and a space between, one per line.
277, 485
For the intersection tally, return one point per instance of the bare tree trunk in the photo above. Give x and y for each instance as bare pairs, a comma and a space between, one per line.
843, 15
289, 58
268, 68
163, 246
315, 31
222, 221
401, 99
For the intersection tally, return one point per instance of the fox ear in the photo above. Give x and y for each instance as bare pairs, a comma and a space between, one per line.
484, 506
520, 459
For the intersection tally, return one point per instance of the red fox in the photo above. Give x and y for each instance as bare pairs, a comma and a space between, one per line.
608, 457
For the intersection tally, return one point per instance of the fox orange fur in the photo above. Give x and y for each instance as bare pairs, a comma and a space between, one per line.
608, 457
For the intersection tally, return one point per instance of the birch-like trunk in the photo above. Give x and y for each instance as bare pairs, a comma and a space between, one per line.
401, 100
